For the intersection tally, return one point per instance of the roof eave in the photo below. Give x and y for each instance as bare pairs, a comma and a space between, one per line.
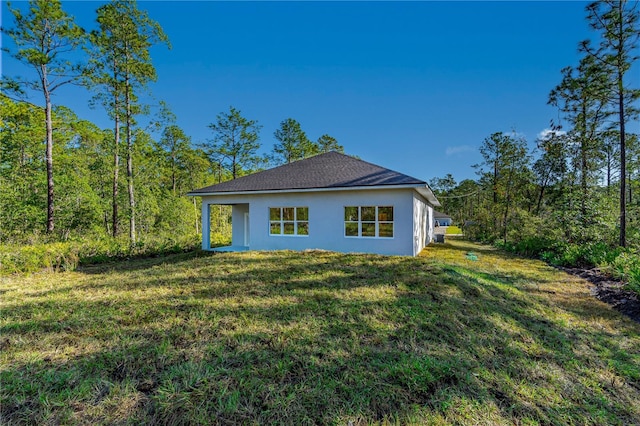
428, 194
417, 187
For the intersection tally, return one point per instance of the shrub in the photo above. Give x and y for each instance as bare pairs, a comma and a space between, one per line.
67, 256
627, 267
31, 258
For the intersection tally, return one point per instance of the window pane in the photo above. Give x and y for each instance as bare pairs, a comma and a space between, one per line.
287, 213
385, 230
351, 213
385, 214
303, 228
302, 213
274, 213
288, 228
368, 229
368, 213
351, 229
274, 228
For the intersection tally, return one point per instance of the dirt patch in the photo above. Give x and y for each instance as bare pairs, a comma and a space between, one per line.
610, 291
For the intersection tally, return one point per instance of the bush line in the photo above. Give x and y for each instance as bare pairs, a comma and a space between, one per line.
618, 262
67, 256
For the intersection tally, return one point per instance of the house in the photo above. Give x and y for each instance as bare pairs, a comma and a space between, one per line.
441, 219
330, 201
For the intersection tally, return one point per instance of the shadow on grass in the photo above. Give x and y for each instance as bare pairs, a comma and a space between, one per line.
136, 264
314, 338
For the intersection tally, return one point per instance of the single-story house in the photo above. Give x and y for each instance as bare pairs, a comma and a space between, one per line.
441, 219
330, 201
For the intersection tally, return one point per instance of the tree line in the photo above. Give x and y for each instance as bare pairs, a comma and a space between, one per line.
580, 184
61, 176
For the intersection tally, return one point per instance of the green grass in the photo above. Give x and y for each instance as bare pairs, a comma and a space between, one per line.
315, 337
453, 230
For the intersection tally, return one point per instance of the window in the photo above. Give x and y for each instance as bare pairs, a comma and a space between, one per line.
289, 221
368, 221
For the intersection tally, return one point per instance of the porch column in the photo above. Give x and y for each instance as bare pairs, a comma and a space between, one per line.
206, 226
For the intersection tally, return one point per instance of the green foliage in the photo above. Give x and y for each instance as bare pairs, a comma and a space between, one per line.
505, 174
442, 186
33, 258
44, 38
622, 263
292, 143
627, 267
578, 199
617, 22
92, 249
235, 143
326, 143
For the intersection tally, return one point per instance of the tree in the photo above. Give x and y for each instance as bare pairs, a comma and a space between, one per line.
443, 185
174, 144
44, 37
104, 75
610, 150
551, 166
293, 143
326, 143
22, 169
122, 63
235, 141
582, 96
617, 22
508, 161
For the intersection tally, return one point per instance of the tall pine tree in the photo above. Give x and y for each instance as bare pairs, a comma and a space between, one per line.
45, 37
617, 23
122, 63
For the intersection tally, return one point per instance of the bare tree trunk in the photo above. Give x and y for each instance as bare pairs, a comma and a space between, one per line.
609, 160
173, 174
630, 200
132, 201
623, 145
583, 168
195, 210
495, 182
49, 148
623, 167
116, 171
49, 160
105, 218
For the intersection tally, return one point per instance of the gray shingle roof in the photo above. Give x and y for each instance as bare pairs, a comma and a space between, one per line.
330, 170
437, 214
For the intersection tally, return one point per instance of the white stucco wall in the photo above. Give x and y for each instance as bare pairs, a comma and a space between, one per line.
422, 223
237, 220
326, 220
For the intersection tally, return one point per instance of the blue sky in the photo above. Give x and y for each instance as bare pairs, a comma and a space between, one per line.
412, 86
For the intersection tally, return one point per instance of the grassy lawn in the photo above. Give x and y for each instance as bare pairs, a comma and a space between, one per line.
453, 230
315, 337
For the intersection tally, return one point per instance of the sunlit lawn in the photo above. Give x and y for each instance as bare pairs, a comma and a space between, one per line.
316, 337
453, 230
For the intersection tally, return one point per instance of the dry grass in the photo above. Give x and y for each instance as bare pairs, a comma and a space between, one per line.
315, 337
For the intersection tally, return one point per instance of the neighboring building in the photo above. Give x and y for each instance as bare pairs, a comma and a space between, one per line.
441, 219
330, 201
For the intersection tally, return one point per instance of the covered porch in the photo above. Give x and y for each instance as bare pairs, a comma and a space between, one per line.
240, 235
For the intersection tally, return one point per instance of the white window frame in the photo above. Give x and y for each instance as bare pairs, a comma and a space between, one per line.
295, 221
377, 222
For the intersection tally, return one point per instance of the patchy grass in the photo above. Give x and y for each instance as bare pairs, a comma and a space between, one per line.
315, 337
